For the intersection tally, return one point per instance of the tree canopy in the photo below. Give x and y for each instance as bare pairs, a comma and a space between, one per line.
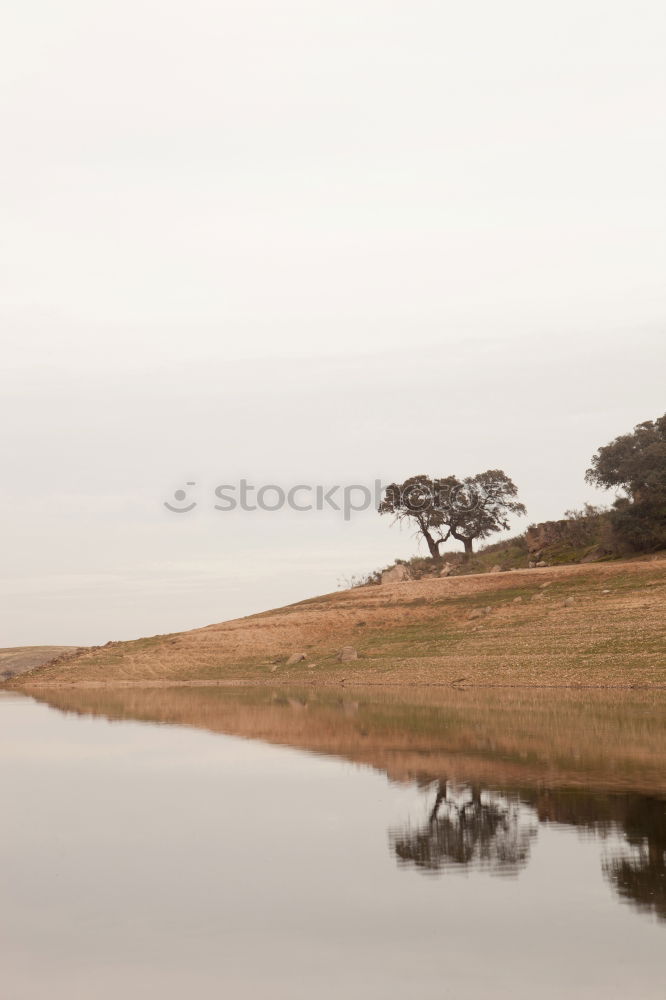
448, 507
636, 463
483, 506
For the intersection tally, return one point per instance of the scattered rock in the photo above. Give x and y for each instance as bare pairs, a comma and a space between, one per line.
347, 653
446, 570
496, 568
479, 612
396, 574
296, 658
537, 597
311, 666
605, 591
542, 586
541, 565
517, 600
274, 668
570, 601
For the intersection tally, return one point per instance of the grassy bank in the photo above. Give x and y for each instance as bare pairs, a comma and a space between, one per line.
592, 625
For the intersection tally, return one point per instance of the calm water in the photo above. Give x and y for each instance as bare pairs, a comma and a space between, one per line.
271, 844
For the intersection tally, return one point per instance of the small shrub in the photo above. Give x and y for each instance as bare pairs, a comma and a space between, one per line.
585, 526
360, 580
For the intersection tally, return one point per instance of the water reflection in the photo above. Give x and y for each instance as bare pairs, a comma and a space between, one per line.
639, 876
468, 827
492, 831
496, 768
635, 867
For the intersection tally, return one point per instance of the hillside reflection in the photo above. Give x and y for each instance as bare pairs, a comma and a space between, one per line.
495, 767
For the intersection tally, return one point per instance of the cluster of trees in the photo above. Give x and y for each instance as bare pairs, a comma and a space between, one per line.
464, 509
477, 506
635, 463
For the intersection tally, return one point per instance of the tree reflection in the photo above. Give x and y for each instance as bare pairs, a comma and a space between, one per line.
594, 764
468, 827
636, 866
638, 872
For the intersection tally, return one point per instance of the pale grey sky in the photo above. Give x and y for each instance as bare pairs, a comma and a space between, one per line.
305, 242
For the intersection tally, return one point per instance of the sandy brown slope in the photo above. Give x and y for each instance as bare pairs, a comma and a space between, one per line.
421, 632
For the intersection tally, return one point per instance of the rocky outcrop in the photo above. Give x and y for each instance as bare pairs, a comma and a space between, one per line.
539, 536
582, 538
396, 574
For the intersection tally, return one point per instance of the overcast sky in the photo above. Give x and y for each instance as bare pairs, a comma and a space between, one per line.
306, 242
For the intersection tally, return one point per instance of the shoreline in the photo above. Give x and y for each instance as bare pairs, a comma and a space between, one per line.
583, 627
300, 682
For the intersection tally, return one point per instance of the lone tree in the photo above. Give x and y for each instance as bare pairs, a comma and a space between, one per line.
445, 508
636, 463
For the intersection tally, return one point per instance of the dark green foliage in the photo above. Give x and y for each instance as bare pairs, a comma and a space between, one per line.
642, 525
636, 463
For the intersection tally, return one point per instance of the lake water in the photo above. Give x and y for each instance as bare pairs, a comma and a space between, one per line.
256, 843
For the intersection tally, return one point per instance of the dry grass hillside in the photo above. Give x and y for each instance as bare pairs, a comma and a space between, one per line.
584, 625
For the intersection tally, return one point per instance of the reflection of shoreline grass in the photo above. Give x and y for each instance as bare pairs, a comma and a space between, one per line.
607, 740
421, 633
